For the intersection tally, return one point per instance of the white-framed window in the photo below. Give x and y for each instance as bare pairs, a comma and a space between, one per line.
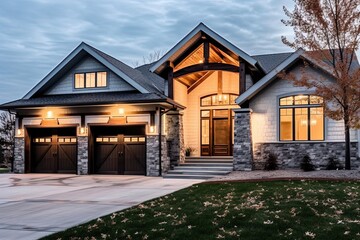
90, 80
301, 118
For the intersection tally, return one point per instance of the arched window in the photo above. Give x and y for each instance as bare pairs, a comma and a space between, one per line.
218, 99
301, 118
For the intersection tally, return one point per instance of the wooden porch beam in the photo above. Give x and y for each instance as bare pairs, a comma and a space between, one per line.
242, 76
170, 78
205, 67
198, 82
206, 51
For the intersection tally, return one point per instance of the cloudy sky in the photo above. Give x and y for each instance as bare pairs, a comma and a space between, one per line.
35, 35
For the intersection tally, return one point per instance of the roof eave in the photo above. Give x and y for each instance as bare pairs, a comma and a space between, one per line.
267, 79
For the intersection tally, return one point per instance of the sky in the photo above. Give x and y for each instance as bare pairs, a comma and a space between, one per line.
36, 35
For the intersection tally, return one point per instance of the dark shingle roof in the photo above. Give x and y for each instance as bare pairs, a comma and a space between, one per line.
84, 99
158, 81
134, 74
270, 61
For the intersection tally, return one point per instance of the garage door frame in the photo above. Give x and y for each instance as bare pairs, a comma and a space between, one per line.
92, 137
28, 142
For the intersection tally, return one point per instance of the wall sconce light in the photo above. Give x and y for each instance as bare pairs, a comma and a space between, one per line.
49, 114
20, 132
121, 112
82, 131
152, 129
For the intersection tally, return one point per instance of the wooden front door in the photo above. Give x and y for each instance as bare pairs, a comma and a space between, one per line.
216, 132
119, 154
53, 154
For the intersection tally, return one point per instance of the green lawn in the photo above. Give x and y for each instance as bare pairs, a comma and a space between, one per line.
264, 210
4, 170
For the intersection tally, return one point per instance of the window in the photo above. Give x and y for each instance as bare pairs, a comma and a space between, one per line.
301, 118
90, 80
218, 99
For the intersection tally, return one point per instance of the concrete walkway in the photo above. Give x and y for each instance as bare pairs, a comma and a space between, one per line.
36, 205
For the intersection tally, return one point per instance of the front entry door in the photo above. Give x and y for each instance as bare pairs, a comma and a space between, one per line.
221, 141
216, 132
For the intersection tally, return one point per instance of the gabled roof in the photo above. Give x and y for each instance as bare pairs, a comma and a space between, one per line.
191, 37
270, 61
134, 77
267, 79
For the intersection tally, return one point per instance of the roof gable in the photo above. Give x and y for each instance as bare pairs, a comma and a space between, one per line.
191, 38
130, 75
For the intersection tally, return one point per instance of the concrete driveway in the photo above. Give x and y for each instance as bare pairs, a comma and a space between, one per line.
36, 205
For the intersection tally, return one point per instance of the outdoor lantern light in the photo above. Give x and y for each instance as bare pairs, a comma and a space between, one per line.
82, 130
152, 129
19, 132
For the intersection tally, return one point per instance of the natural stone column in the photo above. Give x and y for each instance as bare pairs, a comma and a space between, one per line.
19, 155
243, 154
152, 155
175, 137
83, 155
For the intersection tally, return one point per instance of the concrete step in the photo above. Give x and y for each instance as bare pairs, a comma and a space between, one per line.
206, 164
211, 157
183, 176
208, 161
197, 172
203, 168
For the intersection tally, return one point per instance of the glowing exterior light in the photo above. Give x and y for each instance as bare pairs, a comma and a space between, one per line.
121, 112
82, 130
19, 132
152, 129
49, 114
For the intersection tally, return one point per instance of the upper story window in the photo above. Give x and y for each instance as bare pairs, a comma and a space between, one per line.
218, 99
301, 118
90, 80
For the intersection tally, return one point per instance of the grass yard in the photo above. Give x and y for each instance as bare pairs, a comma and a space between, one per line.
264, 210
4, 170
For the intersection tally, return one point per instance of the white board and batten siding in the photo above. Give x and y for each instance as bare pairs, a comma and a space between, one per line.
192, 103
65, 85
265, 115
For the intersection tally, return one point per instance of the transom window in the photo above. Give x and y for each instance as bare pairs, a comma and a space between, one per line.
90, 80
301, 118
218, 99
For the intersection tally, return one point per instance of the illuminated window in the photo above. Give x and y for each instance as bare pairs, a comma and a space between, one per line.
218, 99
90, 80
301, 118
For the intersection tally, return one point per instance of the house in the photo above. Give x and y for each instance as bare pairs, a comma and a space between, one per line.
93, 114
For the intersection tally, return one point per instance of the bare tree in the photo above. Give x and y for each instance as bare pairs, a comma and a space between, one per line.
329, 31
7, 137
150, 58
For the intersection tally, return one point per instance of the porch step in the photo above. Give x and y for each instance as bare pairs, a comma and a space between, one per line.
201, 168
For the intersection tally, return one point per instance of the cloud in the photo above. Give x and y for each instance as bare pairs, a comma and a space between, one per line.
36, 35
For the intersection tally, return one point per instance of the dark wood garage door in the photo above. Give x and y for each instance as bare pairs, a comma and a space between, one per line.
53, 154
120, 154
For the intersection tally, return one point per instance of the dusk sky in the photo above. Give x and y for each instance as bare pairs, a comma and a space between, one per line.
35, 35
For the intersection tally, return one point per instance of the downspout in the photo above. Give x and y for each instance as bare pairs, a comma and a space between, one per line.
160, 143
13, 158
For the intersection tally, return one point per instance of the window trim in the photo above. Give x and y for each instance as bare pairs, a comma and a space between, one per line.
307, 106
96, 76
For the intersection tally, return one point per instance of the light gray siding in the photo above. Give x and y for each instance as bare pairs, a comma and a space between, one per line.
65, 85
265, 119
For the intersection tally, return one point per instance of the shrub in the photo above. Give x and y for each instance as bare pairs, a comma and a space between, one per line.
333, 164
306, 164
271, 162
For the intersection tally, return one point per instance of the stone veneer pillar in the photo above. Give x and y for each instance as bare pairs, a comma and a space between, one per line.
19, 155
152, 155
83, 155
175, 137
243, 154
